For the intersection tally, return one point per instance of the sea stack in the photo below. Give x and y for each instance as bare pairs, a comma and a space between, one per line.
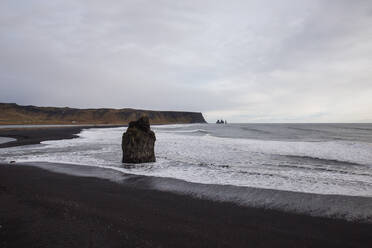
138, 142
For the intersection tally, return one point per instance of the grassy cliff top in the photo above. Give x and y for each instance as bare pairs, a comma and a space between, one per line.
11, 113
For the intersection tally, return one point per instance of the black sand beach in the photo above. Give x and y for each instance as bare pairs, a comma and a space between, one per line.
35, 135
40, 208
46, 209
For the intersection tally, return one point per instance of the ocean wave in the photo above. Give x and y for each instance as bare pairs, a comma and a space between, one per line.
308, 129
194, 155
255, 130
352, 208
322, 160
200, 131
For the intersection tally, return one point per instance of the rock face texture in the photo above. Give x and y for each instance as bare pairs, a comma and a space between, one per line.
138, 142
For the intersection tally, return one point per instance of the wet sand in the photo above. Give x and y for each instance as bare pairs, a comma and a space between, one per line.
40, 208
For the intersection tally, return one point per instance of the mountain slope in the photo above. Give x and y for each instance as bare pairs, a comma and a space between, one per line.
11, 113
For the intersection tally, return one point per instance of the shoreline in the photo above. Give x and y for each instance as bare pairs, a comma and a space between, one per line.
345, 207
38, 134
56, 210
87, 208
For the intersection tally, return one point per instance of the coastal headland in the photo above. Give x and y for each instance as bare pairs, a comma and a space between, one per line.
11, 113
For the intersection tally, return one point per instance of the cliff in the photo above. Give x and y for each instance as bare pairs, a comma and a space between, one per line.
11, 113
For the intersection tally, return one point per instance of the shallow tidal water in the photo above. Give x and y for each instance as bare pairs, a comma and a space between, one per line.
6, 140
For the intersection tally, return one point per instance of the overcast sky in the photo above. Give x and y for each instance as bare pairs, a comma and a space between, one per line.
244, 61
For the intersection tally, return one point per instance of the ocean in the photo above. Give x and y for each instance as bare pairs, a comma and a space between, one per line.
320, 159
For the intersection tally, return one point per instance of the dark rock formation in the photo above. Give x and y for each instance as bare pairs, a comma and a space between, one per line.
138, 142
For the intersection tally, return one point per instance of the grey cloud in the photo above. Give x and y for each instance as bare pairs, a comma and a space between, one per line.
302, 61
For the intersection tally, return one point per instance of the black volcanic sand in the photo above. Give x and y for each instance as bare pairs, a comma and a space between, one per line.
35, 135
39, 208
